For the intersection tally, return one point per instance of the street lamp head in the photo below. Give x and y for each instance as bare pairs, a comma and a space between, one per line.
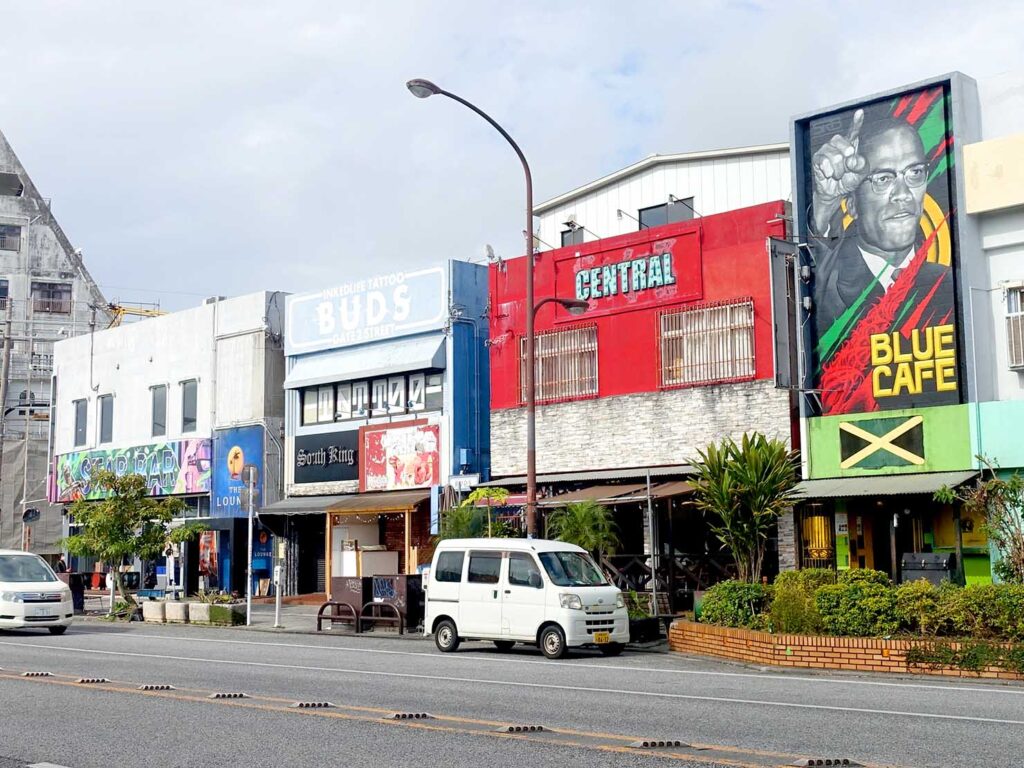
421, 89
575, 307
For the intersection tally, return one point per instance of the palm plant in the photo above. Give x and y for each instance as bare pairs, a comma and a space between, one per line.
745, 487
586, 524
470, 520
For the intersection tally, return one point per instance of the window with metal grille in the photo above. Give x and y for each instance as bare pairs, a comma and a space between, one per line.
711, 343
565, 364
1015, 326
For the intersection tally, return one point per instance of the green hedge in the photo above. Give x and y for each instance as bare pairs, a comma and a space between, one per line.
864, 603
736, 604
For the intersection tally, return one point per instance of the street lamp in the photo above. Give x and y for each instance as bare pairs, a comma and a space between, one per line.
422, 89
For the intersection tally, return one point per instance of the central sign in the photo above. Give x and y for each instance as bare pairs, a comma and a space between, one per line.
640, 273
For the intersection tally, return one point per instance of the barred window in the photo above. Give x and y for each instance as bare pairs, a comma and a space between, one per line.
707, 344
1015, 326
566, 364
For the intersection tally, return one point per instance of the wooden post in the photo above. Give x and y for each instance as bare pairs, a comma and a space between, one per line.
409, 568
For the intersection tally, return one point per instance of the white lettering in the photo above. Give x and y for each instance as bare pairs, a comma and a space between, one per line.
402, 303
376, 308
325, 317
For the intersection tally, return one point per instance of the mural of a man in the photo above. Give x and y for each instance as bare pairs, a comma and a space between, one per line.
881, 171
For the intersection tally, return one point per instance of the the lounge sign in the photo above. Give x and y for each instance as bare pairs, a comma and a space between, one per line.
379, 307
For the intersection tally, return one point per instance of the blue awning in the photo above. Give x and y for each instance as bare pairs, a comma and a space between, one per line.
367, 361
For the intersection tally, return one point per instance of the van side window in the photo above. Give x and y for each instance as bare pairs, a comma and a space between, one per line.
521, 568
449, 566
484, 567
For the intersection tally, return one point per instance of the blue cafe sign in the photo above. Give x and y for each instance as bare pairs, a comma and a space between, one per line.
375, 308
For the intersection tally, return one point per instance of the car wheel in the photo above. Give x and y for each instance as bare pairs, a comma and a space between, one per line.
612, 649
57, 630
504, 645
446, 638
552, 642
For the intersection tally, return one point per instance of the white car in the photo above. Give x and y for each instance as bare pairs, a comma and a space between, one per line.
31, 595
544, 593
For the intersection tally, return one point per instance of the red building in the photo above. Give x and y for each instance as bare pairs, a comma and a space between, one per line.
674, 353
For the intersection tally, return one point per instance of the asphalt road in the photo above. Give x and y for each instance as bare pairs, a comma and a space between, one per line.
592, 708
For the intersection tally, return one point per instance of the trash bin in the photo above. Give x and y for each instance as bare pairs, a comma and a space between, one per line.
934, 567
405, 592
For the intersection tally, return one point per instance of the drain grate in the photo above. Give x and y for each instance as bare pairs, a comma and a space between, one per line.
157, 687
90, 680
37, 674
222, 695
833, 761
521, 729
409, 716
312, 705
658, 743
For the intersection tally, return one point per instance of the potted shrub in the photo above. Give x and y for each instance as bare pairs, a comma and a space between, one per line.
216, 608
643, 626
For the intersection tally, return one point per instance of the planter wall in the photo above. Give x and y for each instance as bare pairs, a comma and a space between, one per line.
199, 613
153, 611
861, 654
176, 613
227, 615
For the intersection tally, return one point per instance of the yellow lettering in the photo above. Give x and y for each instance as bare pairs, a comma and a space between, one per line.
915, 343
881, 352
898, 355
945, 374
903, 380
924, 370
945, 341
876, 380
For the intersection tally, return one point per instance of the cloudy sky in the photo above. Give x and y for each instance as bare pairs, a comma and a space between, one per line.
194, 148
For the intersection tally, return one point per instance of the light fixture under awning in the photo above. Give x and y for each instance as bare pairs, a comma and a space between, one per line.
368, 361
882, 485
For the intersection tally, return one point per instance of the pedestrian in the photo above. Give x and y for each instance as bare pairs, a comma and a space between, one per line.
62, 566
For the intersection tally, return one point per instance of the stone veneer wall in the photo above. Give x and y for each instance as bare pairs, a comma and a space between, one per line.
638, 430
858, 654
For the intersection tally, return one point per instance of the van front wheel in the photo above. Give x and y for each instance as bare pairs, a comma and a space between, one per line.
552, 642
446, 638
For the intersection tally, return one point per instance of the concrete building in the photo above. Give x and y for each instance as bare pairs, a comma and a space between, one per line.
46, 294
914, 371
387, 402
187, 400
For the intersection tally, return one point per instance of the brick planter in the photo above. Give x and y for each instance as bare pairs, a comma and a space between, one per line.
859, 654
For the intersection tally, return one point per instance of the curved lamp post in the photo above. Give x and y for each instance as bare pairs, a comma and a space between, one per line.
422, 89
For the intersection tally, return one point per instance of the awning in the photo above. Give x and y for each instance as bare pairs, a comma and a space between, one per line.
660, 491
367, 361
600, 493
882, 485
350, 504
626, 473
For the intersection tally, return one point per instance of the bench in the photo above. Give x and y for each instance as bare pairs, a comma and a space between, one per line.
157, 594
341, 613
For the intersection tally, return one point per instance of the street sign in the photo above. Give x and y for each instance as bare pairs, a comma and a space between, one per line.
463, 483
244, 497
250, 474
30, 515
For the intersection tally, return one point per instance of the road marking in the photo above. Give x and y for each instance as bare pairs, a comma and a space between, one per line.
506, 659
520, 684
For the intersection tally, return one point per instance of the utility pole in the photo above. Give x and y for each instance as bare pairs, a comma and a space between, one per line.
249, 472
5, 372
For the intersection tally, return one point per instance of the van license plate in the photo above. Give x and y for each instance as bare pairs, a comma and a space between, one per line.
602, 637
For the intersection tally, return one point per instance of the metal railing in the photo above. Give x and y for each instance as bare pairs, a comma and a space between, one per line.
707, 344
10, 242
1015, 339
51, 306
677, 576
566, 364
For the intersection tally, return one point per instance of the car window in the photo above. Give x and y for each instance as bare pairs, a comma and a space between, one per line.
24, 568
449, 566
572, 569
484, 567
521, 567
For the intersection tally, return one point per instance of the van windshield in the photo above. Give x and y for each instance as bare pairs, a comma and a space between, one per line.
572, 569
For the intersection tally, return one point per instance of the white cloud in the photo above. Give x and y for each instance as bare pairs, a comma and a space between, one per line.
205, 148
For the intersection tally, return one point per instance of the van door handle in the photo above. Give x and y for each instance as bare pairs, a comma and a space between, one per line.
495, 594
508, 591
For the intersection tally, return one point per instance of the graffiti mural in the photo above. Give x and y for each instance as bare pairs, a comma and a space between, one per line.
397, 457
880, 182
171, 468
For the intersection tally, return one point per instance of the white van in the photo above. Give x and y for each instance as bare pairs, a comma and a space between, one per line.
545, 593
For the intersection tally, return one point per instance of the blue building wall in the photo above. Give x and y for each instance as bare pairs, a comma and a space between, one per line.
470, 375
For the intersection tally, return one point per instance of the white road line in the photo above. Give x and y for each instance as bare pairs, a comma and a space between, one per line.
519, 684
506, 659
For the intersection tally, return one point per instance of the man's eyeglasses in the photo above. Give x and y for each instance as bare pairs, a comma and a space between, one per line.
914, 175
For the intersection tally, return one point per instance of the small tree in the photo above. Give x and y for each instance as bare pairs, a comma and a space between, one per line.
586, 524
745, 487
469, 520
127, 522
1000, 503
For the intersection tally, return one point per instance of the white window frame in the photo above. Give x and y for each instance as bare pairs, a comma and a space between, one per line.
1015, 326
707, 344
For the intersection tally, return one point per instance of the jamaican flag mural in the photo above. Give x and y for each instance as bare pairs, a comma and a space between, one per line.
879, 179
